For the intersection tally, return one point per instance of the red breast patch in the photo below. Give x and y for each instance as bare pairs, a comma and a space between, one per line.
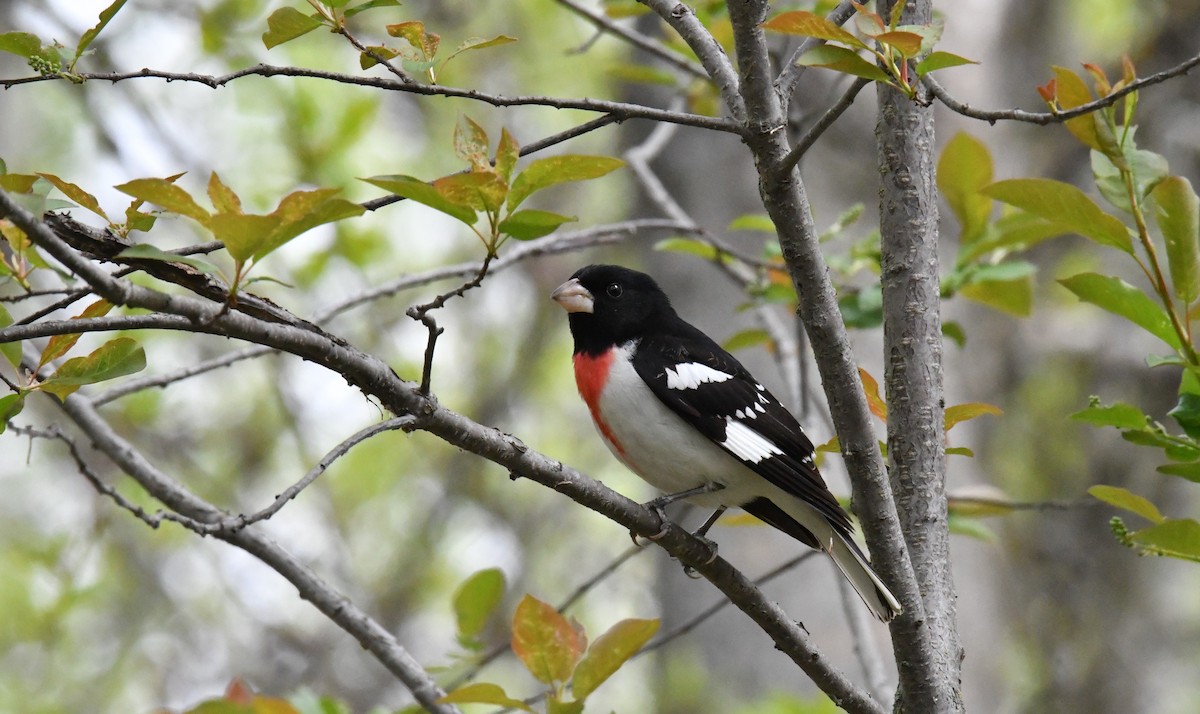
591, 374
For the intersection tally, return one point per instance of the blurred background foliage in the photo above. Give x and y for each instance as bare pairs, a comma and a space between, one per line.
99, 613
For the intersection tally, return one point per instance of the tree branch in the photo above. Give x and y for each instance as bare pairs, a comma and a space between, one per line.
404, 398
827, 119
711, 54
785, 85
638, 40
337, 607
928, 650
993, 116
786, 202
621, 110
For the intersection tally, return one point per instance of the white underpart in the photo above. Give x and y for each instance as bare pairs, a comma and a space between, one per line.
670, 455
690, 375
746, 443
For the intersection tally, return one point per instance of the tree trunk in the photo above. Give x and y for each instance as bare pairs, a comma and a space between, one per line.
908, 222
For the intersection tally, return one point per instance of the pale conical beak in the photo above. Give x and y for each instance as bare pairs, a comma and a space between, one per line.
573, 297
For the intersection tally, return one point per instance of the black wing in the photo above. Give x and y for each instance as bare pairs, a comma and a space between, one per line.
713, 406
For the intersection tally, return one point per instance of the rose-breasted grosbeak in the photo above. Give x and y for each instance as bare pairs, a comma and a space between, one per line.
687, 417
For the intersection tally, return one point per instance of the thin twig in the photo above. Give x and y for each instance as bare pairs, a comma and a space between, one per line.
154, 520
236, 523
680, 17
637, 39
622, 110
993, 116
816, 130
379, 59
700, 617
420, 313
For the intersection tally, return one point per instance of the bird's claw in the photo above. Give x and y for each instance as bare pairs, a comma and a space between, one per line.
662, 526
712, 556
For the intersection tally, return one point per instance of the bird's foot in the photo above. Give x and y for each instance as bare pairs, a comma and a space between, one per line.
657, 507
712, 555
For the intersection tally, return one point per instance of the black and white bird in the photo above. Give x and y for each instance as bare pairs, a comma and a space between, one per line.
686, 416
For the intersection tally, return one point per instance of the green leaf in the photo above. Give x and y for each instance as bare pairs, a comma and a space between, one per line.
10, 406
527, 223
476, 599
970, 527
753, 222
145, 251
1189, 471
10, 350
748, 338
841, 59
1012, 296
223, 198
642, 74
954, 331
243, 234
960, 451
286, 24
861, 309
1148, 170
106, 15
807, 24
1187, 414
481, 190
546, 642
1127, 500
1177, 213
367, 61
1015, 230
115, 358
964, 168
964, 412
688, 246
59, 345
484, 693
417, 190
543, 173
166, 194
23, 44
301, 211
479, 43
1064, 205
941, 60
370, 5
609, 652
471, 143
1121, 298
507, 154
554, 705
76, 194
1174, 448
1177, 538
1118, 414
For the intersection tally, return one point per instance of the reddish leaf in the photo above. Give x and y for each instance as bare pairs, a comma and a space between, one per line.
115, 358
871, 388
546, 642
807, 24
471, 144
223, 198
76, 194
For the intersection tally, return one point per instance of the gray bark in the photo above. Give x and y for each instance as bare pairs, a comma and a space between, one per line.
908, 222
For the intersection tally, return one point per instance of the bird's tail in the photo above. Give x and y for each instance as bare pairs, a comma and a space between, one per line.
853, 564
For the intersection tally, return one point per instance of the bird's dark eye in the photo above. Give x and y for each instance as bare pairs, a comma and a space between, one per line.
613, 290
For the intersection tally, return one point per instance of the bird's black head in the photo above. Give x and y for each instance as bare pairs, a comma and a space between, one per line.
609, 305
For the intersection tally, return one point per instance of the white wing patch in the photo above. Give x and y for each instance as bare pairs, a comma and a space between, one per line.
690, 375
746, 443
